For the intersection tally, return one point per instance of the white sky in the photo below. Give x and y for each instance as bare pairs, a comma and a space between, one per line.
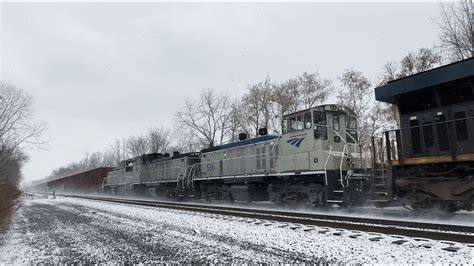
104, 71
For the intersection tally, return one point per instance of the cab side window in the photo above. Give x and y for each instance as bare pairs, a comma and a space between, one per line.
292, 124
335, 123
284, 126
319, 117
307, 120
299, 122
351, 122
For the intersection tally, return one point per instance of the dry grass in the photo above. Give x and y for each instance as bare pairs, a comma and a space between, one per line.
8, 199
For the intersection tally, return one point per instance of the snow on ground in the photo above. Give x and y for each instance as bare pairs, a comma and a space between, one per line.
72, 230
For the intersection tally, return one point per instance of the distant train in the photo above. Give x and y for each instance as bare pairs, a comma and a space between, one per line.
316, 160
430, 159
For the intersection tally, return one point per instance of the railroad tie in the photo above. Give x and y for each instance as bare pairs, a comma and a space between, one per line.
399, 242
377, 238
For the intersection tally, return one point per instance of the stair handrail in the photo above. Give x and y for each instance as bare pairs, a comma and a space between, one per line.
326, 164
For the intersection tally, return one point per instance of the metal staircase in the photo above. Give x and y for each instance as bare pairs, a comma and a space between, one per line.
337, 195
382, 191
381, 185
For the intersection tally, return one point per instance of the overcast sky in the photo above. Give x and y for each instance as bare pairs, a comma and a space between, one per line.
104, 71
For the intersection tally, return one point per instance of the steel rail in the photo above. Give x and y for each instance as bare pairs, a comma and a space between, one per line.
435, 231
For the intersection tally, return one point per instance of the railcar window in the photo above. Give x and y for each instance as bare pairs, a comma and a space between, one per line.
307, 120
319, 117
284, 126
351, 122
335, 122
320, 132
442, 130
415, 135
461, 127
292, 124
299, 122
428, 136
351, 136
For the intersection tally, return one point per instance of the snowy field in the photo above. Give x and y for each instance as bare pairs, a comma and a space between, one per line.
72, 230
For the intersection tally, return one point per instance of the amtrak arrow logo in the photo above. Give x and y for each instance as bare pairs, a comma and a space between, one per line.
296, 141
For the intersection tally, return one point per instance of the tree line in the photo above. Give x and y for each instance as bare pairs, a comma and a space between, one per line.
17, 129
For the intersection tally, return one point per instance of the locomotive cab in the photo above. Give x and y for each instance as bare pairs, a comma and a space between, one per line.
317, 138
320, 145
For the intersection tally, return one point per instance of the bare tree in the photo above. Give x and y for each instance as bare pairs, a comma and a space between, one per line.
312, 89
356, 92
457, 32
373, 117
256, 107
185, 141
423, 60
302, 92
238, 124
16, 114
94, 160
158, 139
412, 63
285, 98
17, 127
116, 153
136, 145
209, 118
11, 161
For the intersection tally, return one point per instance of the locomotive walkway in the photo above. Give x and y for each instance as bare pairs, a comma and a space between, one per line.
419, 230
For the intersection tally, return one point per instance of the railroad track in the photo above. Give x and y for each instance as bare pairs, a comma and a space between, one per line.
415, 229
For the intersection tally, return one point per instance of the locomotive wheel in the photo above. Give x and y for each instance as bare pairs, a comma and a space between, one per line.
293, 199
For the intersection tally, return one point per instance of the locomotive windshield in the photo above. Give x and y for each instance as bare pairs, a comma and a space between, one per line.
319, 117
296, 122
351, 122
351, 126
335, 122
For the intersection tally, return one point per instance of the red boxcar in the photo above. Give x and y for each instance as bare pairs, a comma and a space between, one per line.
88, 181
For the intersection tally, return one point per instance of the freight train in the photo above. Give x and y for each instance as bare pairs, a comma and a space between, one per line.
316, 160
425, 164
429, 160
